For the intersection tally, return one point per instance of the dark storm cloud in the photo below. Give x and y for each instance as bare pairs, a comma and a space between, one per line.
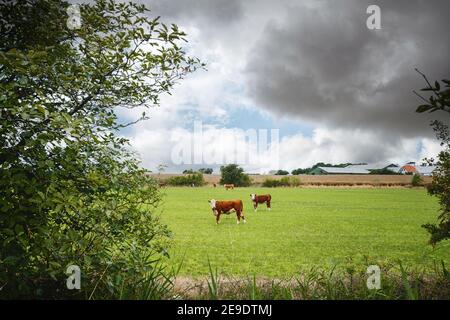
324, 65
210, 13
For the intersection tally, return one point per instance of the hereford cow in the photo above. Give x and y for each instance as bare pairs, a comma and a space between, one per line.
225, 207
260, 199
228, 186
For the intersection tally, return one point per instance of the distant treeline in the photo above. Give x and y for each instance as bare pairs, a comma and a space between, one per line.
202, 170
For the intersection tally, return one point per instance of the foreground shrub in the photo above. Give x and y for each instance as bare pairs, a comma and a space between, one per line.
439, 100
70, 192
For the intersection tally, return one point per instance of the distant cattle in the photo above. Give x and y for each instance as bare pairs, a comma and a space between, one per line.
228, 186
226, 207
261, 199
162, 184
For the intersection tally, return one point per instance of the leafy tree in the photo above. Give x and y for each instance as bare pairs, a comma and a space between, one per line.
281, 173
206, 170
439, 100
161, 168
70, 191
234, 174
300, 171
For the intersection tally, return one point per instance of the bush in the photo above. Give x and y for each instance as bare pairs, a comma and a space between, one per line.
416, 180
384, 171
195, 179
71, 192
283, 182
271, 183
439, 101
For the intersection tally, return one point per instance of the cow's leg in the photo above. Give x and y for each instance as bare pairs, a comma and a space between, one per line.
238, 216
243, 218
217, 218
255, 205
268, 205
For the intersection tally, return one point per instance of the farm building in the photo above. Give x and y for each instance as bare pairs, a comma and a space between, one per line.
354, 169
334, 170
413, 169
426, 170
408, 169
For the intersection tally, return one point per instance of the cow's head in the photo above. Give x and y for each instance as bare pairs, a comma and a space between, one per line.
212, 203
253, 196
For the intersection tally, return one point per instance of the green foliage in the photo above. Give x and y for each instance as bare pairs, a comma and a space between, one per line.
202, 170
206, 170
439, 101
410, 292
213, 282
300, 171
70, 191
384, 171
281, 173
234, 174
195, 179
416, 180
283, 182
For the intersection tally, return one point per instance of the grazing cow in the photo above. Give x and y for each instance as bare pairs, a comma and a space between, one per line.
228, 186
225, 207
261, 199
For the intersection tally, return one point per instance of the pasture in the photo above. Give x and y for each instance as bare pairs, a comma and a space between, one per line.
307, 227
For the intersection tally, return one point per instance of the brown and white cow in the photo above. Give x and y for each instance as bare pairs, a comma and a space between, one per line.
225, 207
260, 199
228, 186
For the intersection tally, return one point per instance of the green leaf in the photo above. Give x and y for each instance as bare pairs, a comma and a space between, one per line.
423, 108
437, 86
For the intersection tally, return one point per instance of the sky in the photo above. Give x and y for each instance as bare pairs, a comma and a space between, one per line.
308, 78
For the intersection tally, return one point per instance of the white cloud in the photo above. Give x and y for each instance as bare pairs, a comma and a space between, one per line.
221, 145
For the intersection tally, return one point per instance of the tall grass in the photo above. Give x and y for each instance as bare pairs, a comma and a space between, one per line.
213, 282
329, 284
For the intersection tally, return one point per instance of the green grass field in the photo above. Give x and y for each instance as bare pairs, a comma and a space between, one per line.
307, 227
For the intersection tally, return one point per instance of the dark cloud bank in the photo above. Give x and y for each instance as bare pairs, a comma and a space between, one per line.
322, 64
